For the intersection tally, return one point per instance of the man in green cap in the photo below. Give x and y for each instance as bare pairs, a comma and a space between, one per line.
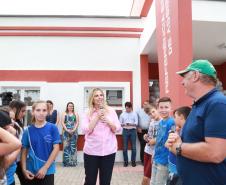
201, 147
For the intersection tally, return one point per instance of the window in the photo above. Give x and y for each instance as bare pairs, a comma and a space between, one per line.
26, 94
30, 96
114, 97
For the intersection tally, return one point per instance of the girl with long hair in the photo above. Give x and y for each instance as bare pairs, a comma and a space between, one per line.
19, 109
70, 121
40, 144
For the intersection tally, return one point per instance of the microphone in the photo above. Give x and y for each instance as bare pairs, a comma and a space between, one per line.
101, 108
172, 130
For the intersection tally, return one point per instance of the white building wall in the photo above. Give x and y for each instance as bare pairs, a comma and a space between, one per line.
149, 28
71, 53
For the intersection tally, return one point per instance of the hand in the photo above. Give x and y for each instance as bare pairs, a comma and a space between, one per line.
139, 130
28, 174
11, 129
104, 119
145, 137
152, 141
70, 132
173, 141
168, 145
101, 113
41, 173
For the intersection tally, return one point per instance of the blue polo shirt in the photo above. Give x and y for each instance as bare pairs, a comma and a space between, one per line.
207, 119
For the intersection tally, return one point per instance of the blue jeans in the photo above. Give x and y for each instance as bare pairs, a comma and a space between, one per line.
129, 134
159, 174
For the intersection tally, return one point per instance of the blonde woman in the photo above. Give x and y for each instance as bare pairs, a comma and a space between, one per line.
70, 120
99, 125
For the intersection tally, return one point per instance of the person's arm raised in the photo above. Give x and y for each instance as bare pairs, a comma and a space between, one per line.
10, 158
9, 143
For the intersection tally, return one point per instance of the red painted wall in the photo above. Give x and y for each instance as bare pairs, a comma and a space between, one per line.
144, 73
153, 71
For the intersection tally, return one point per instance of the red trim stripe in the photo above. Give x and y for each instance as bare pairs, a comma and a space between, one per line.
57, 28
65, 76
65, 34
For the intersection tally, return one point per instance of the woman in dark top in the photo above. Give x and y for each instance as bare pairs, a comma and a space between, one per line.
19, 109
52, 116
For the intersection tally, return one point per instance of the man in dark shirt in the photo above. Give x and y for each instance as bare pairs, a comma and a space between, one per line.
201, 149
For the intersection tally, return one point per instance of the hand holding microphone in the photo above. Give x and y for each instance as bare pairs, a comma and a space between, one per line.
173, 138
102, 113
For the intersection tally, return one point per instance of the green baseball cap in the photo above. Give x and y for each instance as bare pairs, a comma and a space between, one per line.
203, 66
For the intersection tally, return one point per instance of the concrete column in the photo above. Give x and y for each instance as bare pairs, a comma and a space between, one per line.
174, 41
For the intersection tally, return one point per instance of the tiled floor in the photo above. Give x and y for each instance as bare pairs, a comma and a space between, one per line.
121, 175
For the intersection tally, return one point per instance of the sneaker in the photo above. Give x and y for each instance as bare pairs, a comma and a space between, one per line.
134, 163
125, 164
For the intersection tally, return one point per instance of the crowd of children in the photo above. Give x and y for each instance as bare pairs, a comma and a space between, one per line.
159, 162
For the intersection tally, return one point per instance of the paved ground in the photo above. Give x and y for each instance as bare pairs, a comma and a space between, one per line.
121, 175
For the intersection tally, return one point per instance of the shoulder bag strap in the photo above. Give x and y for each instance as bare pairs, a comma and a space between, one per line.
32, 147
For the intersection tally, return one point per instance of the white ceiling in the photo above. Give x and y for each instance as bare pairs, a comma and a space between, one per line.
67, 7
209, 42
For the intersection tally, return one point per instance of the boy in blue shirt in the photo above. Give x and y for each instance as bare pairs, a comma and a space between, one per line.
180, 116
160, 159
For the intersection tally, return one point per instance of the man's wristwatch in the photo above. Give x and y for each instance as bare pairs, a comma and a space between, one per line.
178, 149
